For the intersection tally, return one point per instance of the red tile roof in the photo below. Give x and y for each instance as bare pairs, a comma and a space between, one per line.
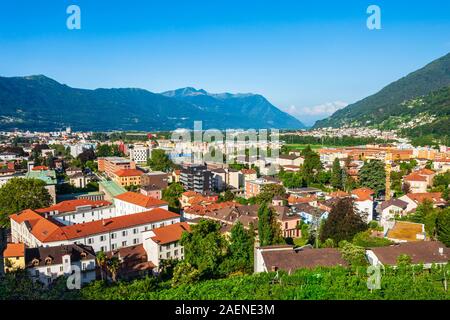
425, 172
363, 194
415, 177
128, 173
46, 230
71, 205
435, 197
248, 171
39, 168
170, 233
140, 199
14, 250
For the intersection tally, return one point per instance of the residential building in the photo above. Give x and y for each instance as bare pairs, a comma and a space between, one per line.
197, 178
424, 252
155, 178
392, 208
152, 191
79, 211
48, 176
139, 153
127, 177
255, 187
34, 230
132, 202
290, 160
14, 257
109, 165
363, 199
164, 243
46, 264
288, 258
414, 199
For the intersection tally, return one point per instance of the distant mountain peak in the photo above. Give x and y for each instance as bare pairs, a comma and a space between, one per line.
40, 103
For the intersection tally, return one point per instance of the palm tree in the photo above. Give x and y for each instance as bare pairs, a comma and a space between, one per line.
101, 261
113, 266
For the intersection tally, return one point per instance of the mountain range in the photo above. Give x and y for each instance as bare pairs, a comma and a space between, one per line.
418, 99
41, 103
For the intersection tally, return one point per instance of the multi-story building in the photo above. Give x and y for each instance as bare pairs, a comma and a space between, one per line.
139, 153
131, 202
127, 177
109, 165
155, 178
254, 187
34, 230
163, 243
197, 178
46, 264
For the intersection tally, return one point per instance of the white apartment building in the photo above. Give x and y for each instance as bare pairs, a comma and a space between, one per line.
163, 243
46, 264
34, 230
140, 153
131, 202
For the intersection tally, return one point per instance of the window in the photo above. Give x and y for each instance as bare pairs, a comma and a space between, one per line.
114, 246
66, 260
61, 268
90, 240
135, 230
168, 255
102, 238
113, 235
103, 248
83, 266
135, 241
124, 243
124, 233
49, 270
175, 252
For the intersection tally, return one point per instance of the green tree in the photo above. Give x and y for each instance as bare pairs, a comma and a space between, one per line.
311, 166
159, 161
373, 175
354, 255
205, 247
184, 273
101, 260
342, 222
269, 231
241, 249
172, 195
19, 194
269, 191
443, 226
113, 266
336, 175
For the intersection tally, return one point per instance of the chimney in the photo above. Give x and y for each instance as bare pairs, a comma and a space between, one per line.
441, 251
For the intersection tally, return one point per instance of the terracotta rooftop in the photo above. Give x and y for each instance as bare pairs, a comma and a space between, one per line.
128, 173
14, 250
363, 194
420, 252
435, 197
425, 172
71, 205
415, 177
170, 233
47, 230
140, 200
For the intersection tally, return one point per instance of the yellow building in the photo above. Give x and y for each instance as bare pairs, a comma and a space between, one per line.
127, 177
14, 257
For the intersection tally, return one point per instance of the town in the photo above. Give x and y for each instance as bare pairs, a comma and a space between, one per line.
122, 206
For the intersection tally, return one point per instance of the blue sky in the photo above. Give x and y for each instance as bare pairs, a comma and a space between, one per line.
307, 57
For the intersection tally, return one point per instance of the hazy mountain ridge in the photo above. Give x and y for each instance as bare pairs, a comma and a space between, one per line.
386, 103
41, 103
